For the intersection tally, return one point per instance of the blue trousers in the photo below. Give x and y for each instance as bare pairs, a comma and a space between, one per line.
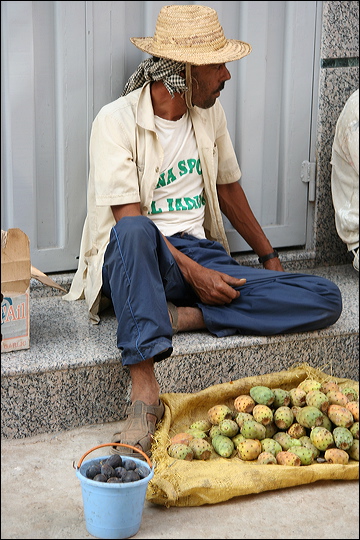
140, 275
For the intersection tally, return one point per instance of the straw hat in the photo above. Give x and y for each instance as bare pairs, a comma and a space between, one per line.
191, 34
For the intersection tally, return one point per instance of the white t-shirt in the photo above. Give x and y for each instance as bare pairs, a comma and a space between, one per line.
178, 203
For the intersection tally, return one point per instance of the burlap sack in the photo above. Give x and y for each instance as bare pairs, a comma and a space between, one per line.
194, 483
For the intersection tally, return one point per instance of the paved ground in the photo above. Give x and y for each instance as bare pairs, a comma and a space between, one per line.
41, 498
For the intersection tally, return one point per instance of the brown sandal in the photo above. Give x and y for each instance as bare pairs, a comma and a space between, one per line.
138, 430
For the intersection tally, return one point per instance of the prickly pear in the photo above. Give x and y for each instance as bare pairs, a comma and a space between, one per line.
306, 441
337, 397
305, 454
329, 385
242, 417
288, 458
283, 417
354, 429
201, 425
270, 445
249, 450
238, 438
262, 394
282, 398
354, 450
262, 414
229, 427
266, 458
297, 397
218, 413
309, 416
215, 430
318, 399
296, 430
283, 439
180, 451
271, 429
340, 416
182, 438
309, 384
253, 430
223, 445
353, 407
244, 403
322, 438
350, 393
343, 438
201, 448
336, 455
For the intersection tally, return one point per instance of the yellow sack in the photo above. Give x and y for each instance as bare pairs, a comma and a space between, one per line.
194, 483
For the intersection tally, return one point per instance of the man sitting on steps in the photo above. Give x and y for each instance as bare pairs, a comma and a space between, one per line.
162, 169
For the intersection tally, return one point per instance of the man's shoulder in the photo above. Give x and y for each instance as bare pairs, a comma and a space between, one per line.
122, 105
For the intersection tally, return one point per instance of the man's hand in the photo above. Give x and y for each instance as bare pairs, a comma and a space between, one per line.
213, 287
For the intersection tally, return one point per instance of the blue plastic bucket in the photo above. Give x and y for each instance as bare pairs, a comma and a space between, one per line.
113, 510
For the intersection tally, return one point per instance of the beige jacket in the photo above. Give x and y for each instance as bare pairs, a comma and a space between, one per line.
125, 161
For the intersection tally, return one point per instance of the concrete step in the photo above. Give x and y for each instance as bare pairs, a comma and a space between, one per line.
72, 374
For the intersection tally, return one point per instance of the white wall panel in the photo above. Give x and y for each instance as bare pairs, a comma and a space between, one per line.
62, 61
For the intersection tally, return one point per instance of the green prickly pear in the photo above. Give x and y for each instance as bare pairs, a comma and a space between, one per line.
262, 394
350, 393
288, 458
354, 450
306, 441
309, 384
223, 445
218, 413
238, 438
282, 398
318, 399
340, 416
201, 425
249, 450
283, 417
283, 439
196, 433
244, 403
201, 448
305, 454
242, 417
229, 427
262, 414
309, 416
322, 438
336, 455
266, 458
343, 438
180, 451
215, 430
297, 397
253, 430
354, 429
270, 445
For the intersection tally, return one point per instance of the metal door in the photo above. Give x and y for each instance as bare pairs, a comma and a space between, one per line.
62, 61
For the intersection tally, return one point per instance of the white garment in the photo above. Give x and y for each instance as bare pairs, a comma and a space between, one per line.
345, 173
178, 203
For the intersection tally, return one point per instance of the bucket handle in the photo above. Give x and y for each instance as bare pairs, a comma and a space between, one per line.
114, 444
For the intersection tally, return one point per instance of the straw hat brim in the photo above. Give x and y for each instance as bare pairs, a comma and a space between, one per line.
232, 50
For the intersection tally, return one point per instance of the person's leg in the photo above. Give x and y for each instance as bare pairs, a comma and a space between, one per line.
270, 302
139, 273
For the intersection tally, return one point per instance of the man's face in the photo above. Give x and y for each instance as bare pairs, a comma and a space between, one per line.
207, 82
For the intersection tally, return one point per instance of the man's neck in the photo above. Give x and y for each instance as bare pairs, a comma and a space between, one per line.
164, 105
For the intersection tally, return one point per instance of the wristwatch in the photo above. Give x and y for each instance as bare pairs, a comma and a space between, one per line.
265, 258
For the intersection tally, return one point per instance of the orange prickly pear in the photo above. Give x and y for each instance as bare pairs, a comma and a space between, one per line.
218, 413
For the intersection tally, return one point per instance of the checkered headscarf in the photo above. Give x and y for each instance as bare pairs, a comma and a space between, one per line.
160, 69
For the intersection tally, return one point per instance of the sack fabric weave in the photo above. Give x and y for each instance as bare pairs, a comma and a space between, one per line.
194, 483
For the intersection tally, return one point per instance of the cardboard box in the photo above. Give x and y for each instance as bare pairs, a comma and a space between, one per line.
16, 272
